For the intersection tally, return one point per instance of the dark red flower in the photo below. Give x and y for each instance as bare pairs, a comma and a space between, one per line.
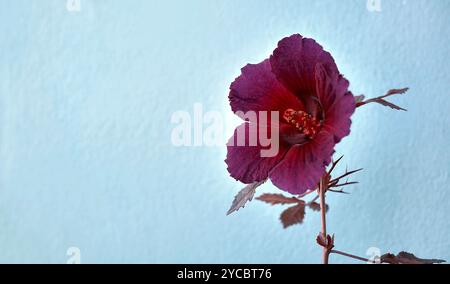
302, 82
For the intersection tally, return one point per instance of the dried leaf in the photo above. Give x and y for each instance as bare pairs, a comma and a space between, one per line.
321, 240
275, 199
359, 99
345, 183
407, 258
334, 181
327, 243
293, 215
381, 100
385, 103
338, 191
244, 196
334, 163
314, 206
395, 92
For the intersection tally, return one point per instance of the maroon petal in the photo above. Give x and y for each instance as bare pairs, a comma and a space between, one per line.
245, 163
257, 89
303, 165
293, 63
337, 102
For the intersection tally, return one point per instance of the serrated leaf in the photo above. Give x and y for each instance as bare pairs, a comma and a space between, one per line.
245, 195
275, 199
407, 258
293, 215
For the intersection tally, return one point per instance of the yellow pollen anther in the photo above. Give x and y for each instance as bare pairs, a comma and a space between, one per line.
304, 122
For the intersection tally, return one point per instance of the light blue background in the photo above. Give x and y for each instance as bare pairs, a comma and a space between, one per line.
86, 158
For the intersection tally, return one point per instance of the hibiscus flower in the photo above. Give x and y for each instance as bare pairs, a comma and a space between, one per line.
303, 84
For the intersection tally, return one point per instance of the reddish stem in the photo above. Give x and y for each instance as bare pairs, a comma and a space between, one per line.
351, 256
322, 189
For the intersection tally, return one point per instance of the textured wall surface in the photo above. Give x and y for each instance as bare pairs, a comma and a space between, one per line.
86, 99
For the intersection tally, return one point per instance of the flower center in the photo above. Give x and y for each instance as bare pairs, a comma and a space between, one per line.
304, 122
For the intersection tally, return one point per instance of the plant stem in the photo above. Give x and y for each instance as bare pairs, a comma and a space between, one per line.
314, 199
351, 256
328, 248
322, 189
